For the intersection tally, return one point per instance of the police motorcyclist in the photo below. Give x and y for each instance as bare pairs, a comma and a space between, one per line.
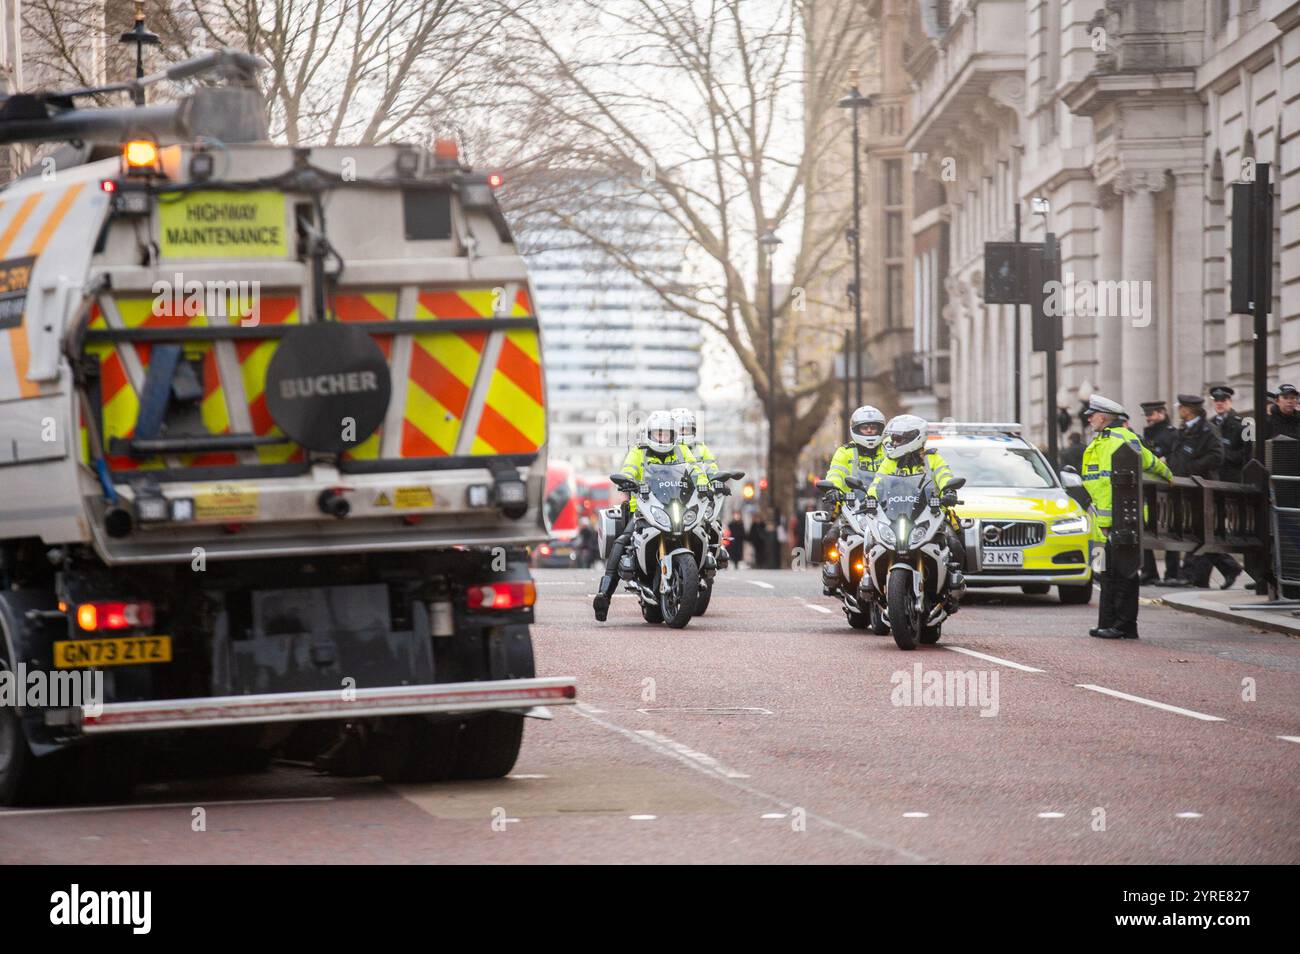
1118, 610
689, 436
860, 457
906, 454
659, 445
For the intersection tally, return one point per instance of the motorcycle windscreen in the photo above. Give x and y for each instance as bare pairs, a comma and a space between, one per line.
901, 496
669, 482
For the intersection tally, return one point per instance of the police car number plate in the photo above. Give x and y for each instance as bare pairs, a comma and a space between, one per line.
1003, 558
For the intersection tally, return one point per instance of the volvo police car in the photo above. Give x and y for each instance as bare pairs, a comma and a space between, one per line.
1019, 523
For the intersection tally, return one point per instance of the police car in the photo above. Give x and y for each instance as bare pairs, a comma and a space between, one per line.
1020, 525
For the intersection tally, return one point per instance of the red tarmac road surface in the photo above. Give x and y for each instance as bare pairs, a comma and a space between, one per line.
767, 731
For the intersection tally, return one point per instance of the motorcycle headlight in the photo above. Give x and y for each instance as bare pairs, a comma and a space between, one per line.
919, 533
886, 534
659, 517
691, 514
1075, 524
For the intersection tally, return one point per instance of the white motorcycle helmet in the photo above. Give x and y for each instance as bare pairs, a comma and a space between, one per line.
866, 427
903, 435
660, 432
685, 419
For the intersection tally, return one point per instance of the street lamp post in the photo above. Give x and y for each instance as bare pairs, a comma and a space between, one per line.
856, 101
769, 242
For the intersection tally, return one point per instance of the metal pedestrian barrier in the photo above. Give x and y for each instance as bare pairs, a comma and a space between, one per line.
1196, 516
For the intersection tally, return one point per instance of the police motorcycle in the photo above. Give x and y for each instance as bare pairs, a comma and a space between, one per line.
670, 541
908, 573
717, 553
844, 558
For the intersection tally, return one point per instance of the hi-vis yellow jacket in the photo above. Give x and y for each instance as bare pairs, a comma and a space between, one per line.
934, 463
704, 456
1097, 467
638, 455
850, 460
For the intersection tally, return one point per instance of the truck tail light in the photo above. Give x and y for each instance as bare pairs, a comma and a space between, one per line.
103, 615
501, 596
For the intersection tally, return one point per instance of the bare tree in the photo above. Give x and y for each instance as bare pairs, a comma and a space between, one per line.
340, 71
711, 116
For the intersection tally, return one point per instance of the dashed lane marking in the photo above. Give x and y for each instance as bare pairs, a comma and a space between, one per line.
642, 817
916, 814
688, 752
766, 586
753, 792
1188, 815
1289, 738
1149, 702
203, 802
820, 609
1051, 814
994, 659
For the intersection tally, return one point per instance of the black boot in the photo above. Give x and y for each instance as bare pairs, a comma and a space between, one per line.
601, 603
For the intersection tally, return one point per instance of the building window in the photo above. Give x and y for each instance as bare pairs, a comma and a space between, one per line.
893, 182
894, 296
894, 235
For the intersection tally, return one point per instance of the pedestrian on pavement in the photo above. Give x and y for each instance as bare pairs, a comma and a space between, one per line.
1159, 435
1198, 452
736, 540
1283, 419
1118, 610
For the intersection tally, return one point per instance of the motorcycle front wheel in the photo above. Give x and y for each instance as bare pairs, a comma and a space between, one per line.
677, 602
902, 612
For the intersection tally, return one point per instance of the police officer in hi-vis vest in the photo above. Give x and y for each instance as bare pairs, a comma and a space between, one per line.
1118, 610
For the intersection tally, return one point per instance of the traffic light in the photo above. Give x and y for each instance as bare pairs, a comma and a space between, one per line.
762, 483
747, 492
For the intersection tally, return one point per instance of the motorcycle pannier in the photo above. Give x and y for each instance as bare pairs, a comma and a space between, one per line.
611, 525
816, 523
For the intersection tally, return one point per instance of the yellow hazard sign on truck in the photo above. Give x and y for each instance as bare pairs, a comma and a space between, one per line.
226, 502
222, 225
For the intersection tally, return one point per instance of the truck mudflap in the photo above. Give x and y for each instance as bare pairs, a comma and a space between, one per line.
520, 695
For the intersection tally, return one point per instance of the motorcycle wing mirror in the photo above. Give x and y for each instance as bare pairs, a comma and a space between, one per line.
955, 485
825, 485
623, 482
854, 483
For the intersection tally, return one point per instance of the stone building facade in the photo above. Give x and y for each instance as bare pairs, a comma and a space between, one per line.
1131, 117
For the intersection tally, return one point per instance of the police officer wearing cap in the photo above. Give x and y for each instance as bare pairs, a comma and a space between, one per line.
1118, 610
1236, 449
1160, 436
1197, 453
1284, 419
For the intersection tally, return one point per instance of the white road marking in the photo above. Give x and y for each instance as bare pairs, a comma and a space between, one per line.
766, 586
1289, 738
820, 609
196, 803
916, 814
730, 710
1149, 702
751, 791
1051, 814
1189, 815
527, 776
642, 817
774, 815
994, 659
688, 752
587, 707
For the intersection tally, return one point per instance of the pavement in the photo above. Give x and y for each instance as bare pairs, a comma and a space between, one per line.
768, 731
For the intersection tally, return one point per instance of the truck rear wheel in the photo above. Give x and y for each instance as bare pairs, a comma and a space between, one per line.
416, 749
24, 779
489, 745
